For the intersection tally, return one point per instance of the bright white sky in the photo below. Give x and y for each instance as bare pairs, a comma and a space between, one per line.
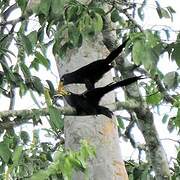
151, 19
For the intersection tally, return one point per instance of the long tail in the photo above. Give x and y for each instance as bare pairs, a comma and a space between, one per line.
122, 83
116, 52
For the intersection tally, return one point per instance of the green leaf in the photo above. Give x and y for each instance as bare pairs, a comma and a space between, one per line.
38, 86
58, 7
71, 13
150, 59
177, 119
50, 28
67, 170
73, 34
170, 9
5, 152
178, 156
35, 136
171, 12
47, 97
22, 89
25, 70
22, 4
62, 50
162, 13
80, 41
141, 13
32, 36
5, 52
154, 99
42, 60
138, 52
152, 40
115, 16
137, 173
40, 34
76, 163
171, 124
97, 23
100, 11
165, 13
142, 54
42, 175
18, 78
8, 73
176, 54
35, 64
82, 161
51, 88
17, 155
26, 44
165, 118
24, 137
171, 80
120, 122
44, 7
56, 120
177, 101
85, 24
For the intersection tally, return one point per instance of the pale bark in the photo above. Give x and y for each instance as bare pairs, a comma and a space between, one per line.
99, 131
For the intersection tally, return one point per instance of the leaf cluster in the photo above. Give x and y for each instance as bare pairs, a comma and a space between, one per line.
23, 158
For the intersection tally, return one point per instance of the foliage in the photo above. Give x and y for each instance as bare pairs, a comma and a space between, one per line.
138, 171
22, 158
65, 162
62, 26
176, 168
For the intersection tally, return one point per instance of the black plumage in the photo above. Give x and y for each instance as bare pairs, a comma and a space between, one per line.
87, 103
94, 71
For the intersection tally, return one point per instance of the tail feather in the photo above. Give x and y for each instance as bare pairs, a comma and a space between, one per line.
116, 52
122, 83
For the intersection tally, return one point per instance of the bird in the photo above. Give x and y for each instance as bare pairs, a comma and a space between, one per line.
94, 71
87, 103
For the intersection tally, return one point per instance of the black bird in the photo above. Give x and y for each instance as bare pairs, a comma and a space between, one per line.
94, 71
87, 103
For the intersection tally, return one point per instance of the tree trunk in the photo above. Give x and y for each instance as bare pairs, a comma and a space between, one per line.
99, 131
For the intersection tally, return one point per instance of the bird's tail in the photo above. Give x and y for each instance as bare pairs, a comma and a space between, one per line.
116, 52
122, 83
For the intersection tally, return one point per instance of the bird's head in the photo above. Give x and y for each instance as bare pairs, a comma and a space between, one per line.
61, 90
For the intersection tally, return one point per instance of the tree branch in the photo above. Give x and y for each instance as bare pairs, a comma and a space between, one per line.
145, 119
23, 116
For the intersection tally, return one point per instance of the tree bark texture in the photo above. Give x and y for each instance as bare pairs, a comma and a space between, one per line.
99, 131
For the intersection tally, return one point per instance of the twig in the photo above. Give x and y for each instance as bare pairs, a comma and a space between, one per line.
128, 133
162, 89
169, 139
131, 19
12, 99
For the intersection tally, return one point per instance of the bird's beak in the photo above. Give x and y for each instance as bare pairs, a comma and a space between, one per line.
61, 90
